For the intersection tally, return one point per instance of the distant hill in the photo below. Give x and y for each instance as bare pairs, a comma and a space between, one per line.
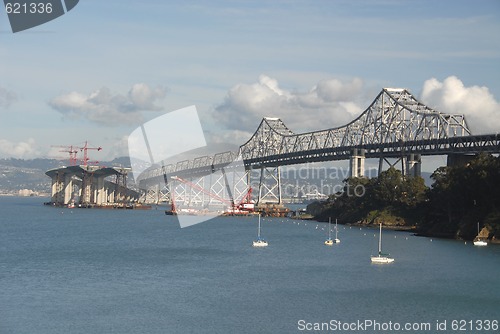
17, 174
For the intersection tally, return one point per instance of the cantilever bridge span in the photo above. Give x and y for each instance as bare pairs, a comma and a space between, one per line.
395, 125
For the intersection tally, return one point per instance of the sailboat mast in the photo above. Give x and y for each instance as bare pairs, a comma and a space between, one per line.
336, 229
380, 240
258, 231
329, 226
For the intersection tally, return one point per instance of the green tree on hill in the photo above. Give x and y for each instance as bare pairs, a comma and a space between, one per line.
463, 196
459, 199
391, 198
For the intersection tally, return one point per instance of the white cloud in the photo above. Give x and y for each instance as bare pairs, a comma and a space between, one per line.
20, 150
479, 106
327, 104
143, 97
6, 98
333, 102
106, 108
118, 147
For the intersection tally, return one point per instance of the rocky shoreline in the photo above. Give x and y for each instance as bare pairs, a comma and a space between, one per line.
419, 233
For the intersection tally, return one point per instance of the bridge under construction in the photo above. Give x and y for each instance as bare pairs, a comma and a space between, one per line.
90, 186
396, 126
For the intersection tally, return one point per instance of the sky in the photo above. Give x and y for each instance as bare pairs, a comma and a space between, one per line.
101, 70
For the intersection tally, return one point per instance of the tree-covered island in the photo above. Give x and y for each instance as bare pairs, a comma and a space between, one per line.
459, 198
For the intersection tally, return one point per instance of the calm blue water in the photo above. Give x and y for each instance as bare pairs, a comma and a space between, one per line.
113, 271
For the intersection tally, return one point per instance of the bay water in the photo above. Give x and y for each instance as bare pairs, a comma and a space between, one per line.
136, 271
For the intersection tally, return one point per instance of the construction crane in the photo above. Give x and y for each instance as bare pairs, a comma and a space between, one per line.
72, 153
85, 154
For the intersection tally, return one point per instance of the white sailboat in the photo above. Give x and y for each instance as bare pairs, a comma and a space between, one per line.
259, 242
329, 241
381, 258
478, 241
337, 240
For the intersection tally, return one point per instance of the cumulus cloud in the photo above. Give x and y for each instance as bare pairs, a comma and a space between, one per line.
327, 104
6, 98
479, 106
117, 147
334, 102
104, 107
20, 150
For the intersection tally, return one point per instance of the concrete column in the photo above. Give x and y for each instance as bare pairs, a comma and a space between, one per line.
57, 188
99, 188
111, 195
413, 165
357, 163
68, 188
86, 189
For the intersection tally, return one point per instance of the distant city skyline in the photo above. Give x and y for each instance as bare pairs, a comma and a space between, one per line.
100, 71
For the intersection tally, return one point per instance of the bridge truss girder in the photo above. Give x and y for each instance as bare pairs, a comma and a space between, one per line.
396, 124
270, 186
217, 190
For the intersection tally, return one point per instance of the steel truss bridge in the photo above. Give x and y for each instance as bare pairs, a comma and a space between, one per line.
396, 125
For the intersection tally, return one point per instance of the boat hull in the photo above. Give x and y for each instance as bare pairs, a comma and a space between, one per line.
382, 259
260, 243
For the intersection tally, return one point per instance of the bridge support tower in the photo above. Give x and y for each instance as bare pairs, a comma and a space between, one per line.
413, 165
410, 165
357, 163
269, 186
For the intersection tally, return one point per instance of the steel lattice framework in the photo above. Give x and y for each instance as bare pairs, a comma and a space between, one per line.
394, 116
395, 123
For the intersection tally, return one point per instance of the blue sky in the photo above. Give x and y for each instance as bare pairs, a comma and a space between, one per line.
105, 67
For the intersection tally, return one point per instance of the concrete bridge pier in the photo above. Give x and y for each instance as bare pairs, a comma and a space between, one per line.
99, 194
413, 165
86, 191
57, 188
357, 163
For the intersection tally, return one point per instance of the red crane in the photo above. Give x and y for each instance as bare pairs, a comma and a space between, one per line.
72, 153
85, 155
73, 150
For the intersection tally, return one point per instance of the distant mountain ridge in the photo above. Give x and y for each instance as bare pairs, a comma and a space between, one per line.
18, 174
